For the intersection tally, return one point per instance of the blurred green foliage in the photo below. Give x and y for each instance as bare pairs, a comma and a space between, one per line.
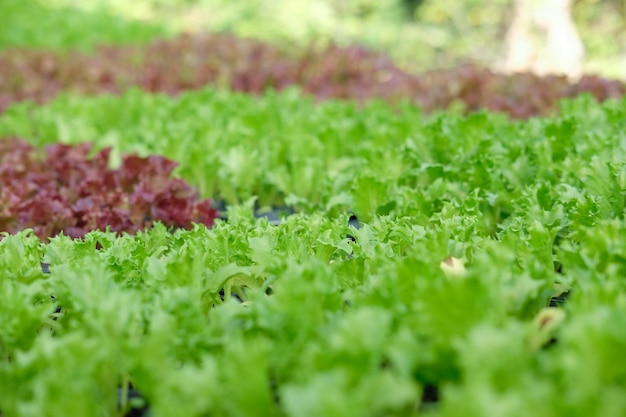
419, 34
27, 23
602, 25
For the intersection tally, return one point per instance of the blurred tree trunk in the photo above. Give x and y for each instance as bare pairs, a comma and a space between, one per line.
543, 38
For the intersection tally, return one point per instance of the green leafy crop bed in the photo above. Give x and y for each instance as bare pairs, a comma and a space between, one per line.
471, 227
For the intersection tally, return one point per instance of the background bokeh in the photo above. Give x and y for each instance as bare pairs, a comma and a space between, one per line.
419, 34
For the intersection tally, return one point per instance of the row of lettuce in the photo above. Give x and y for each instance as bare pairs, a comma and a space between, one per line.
338, 333
192, 62
469, 226
348, 326
334, 156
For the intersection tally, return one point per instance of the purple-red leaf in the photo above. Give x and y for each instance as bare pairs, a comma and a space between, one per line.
64, 190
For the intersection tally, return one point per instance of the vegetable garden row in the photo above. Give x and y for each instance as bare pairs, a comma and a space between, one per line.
426, 262
190, 62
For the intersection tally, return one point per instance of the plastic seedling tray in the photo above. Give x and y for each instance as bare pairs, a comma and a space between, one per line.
138, 405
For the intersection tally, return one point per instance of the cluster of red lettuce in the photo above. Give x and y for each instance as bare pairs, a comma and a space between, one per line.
65, 190
191, 62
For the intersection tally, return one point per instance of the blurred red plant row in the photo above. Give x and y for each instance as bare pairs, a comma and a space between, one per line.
63, 189
355, 73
